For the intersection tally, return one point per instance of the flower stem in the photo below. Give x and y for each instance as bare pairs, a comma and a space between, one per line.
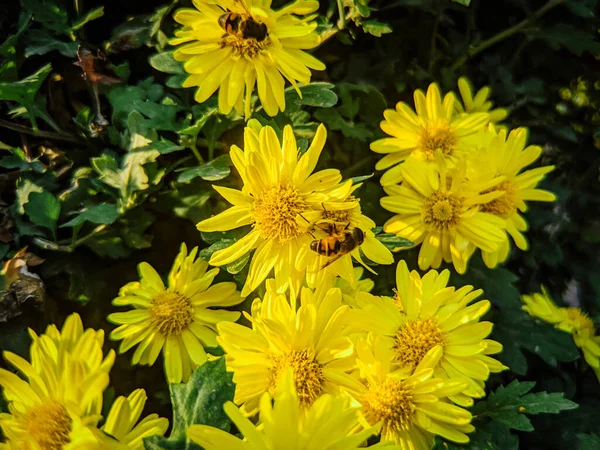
506, 33
42, 134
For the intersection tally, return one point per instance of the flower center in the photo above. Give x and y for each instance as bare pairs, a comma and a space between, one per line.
437, 136
244, 47
580, 320
171, 312
275, 211
49, 425
390, 402
502, 206
414, 339
442, 210
308, 374
343, 215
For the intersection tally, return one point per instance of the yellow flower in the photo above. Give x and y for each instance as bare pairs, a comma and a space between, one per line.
412, 409
269, 52
178, 319
310, 339
349, 292
478, 102
328, 424
123, 416
59, 406
441, 210
433, 128
507, 156
282, 199
427, 316
572, 320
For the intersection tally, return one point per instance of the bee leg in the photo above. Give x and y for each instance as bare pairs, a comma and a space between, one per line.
307, 221
323, 205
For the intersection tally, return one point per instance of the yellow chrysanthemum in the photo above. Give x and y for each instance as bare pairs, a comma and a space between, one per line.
179, 319
412, 409
59, 406
122, 421
282, 199
262, 48
328, 424
478, 102
428, 316
310, 339
441, 210
349, 292
572, 320
507, 156
434, 128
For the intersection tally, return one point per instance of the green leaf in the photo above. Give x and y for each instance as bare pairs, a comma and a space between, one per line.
582, 8
574, 39
318, 94
40, 42
462, 2
238, 265
104, 214
516, 331
217, 169
109, 244
510, 404
43, 209
588, 441
92, 14
164, 62
199, 401
334, 120
489, 436
25, 90
165, 146
47, 12
376, 28
391, 241
18, 160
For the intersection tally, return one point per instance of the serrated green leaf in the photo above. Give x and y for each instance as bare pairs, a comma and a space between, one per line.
574, 39
40, 42
376, 28
51, 15
516, 331
90, 15
510, 404
104, 214
164, 62
199, 401
217, 169
43, 209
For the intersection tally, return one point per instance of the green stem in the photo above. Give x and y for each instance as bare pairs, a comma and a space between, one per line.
506, 33
197, 153
42, 134
331, 33
342, 20
48, 245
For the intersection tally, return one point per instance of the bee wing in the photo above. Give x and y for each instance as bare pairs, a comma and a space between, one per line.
332, 260
242, 3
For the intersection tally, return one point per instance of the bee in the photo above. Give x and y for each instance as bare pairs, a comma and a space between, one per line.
340, 241
244, 27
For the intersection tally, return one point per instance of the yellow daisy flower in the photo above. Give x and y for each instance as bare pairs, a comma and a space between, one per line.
349, 292
572, 320
433, 128
59, 406
237, 45
121, 422
412, 409
328, 424
179, 319
502, 155
428, 316
477, 103
282, 199
310, 339
441, 210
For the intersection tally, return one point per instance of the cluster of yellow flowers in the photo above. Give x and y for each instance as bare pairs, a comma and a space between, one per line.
324, 363
60, 404
455, 178
403, 367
